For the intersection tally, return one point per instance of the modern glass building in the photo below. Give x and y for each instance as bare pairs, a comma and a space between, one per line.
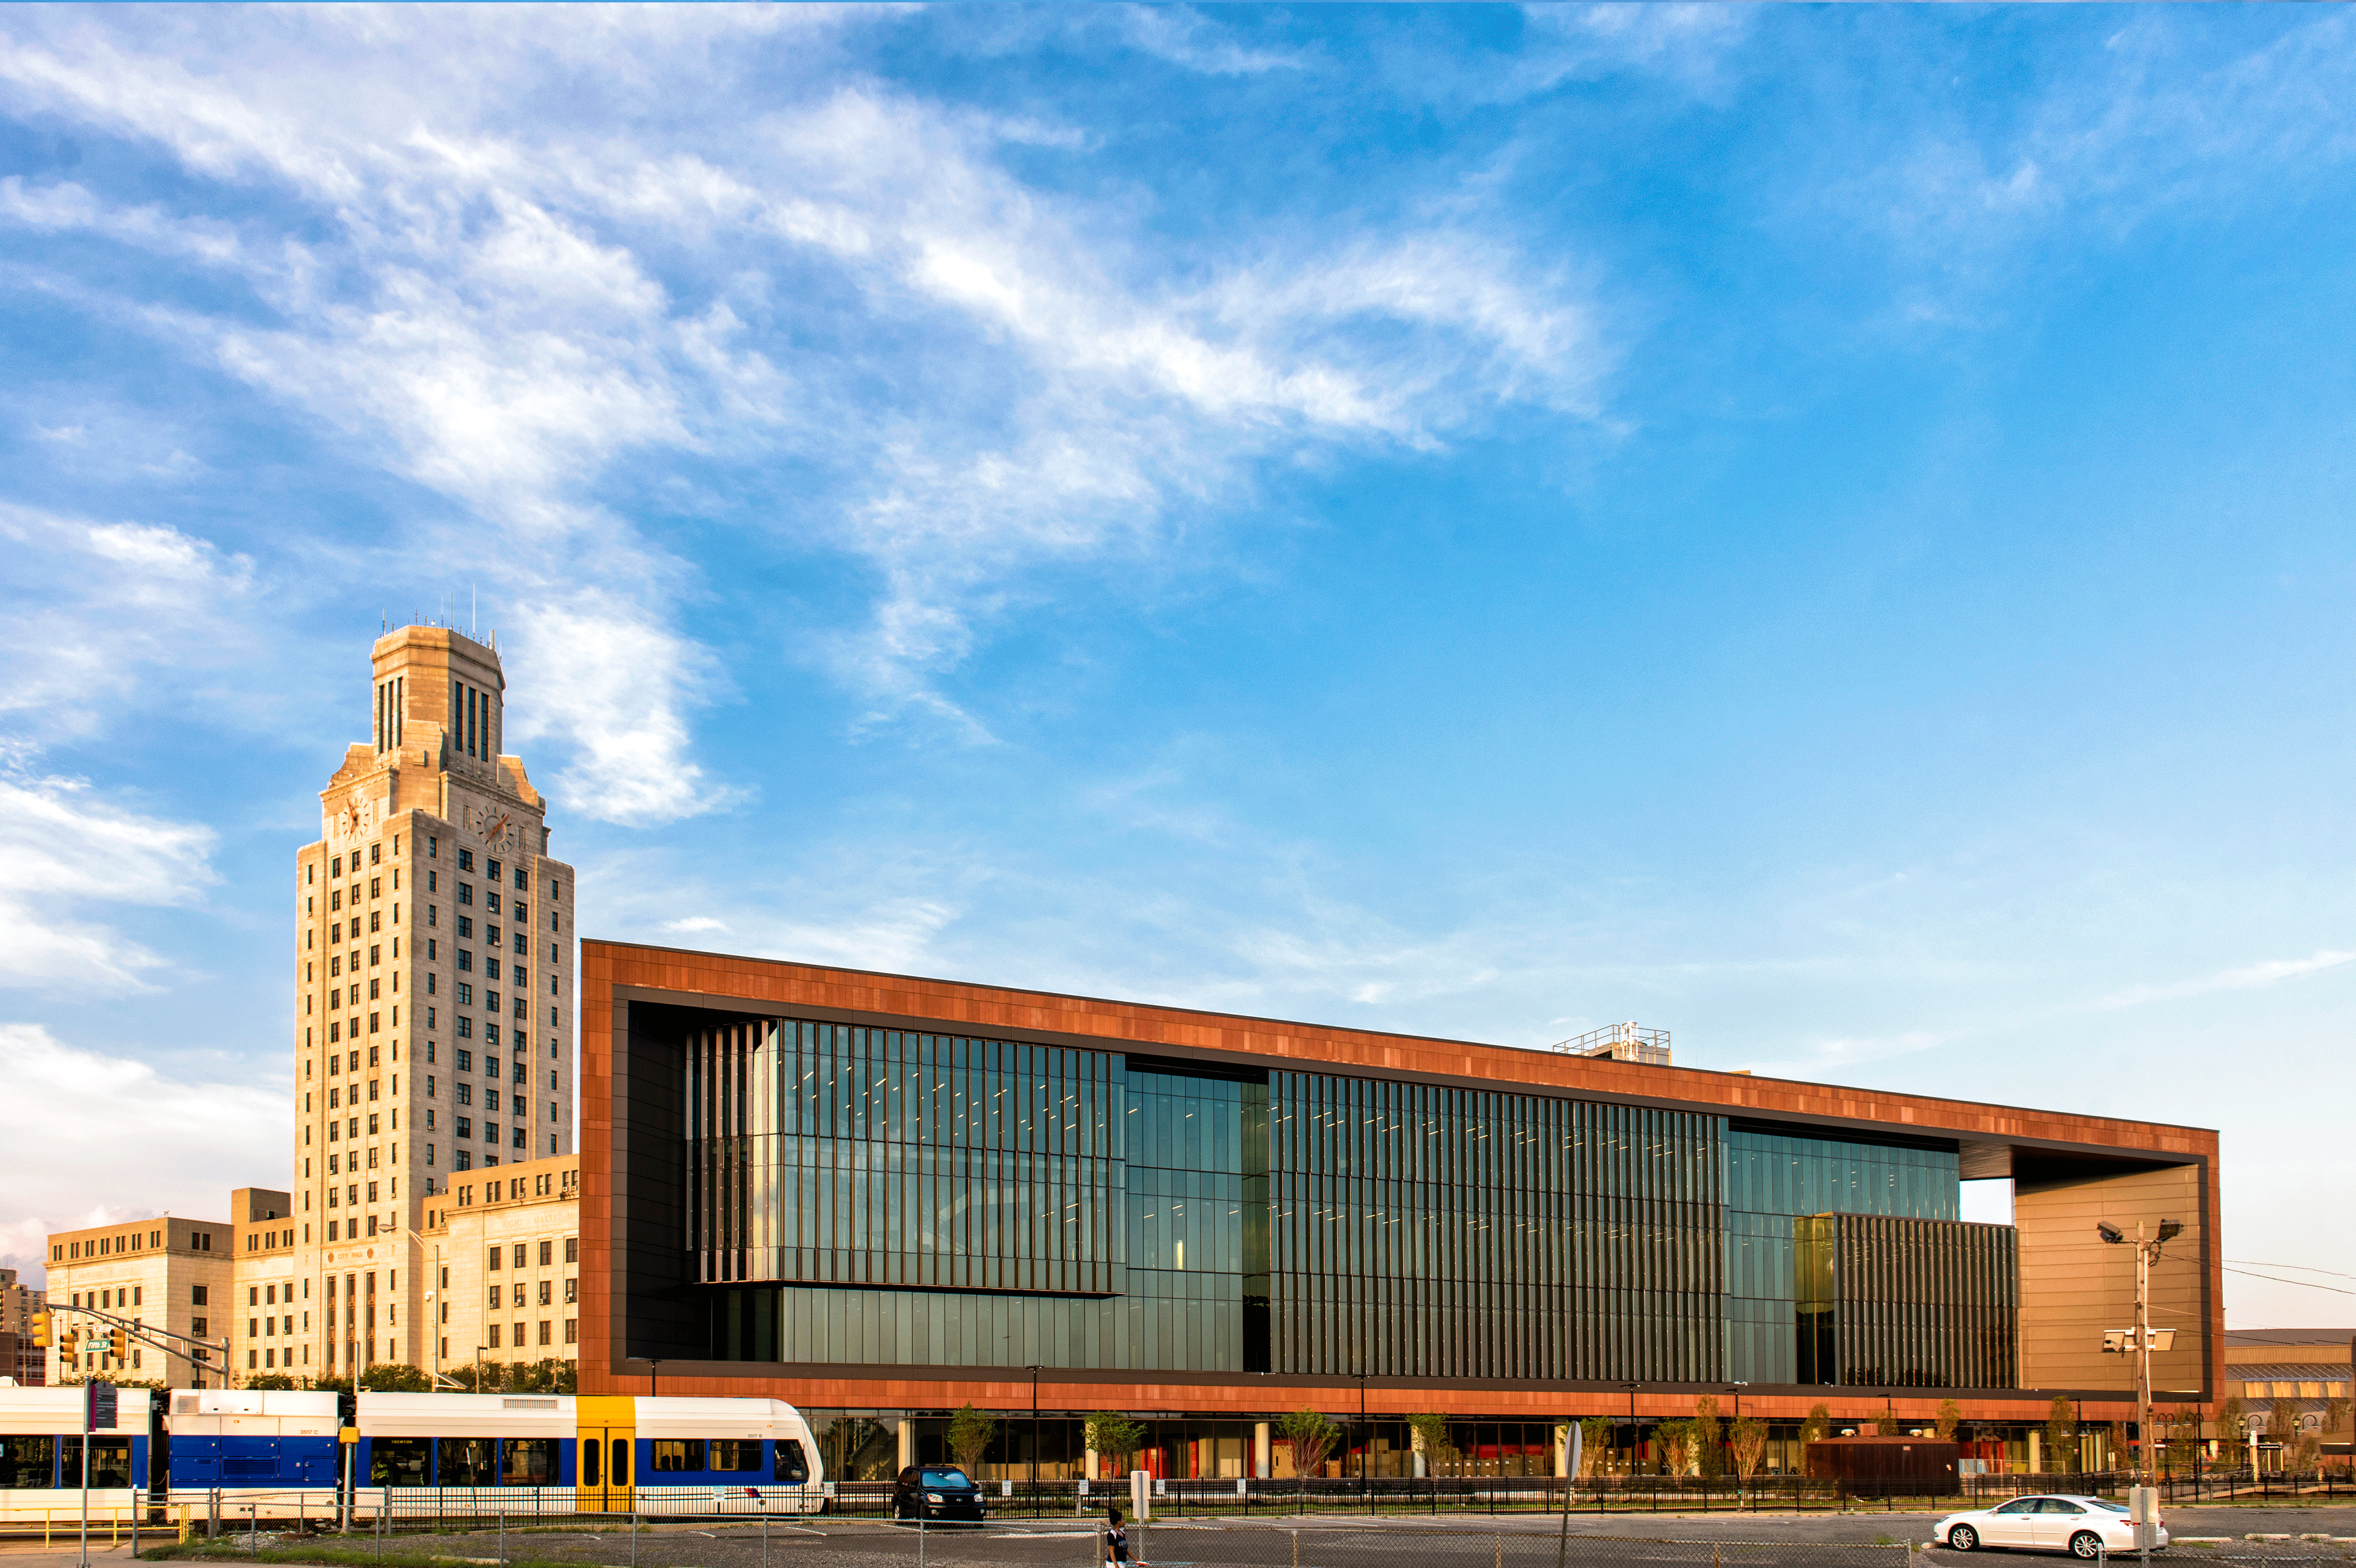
954, 1189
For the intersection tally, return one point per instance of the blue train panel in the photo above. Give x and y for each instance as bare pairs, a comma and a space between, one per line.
254, 1440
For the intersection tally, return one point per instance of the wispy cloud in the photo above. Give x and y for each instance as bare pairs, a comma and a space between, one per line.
988, 380
62, 853
96, 608
2247, 978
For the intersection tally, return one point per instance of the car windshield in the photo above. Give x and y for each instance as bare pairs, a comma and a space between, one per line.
944, 1478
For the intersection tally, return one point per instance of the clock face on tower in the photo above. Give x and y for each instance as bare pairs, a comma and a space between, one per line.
496, 828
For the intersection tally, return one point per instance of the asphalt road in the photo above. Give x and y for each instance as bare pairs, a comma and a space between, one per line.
1760, 1540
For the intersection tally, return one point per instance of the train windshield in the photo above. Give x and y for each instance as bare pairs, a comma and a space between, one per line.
792, 1467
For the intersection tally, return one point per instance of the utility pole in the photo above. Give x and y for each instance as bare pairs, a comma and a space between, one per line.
2143, 1502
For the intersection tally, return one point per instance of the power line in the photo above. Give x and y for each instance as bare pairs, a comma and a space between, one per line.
2297, 1268
2303, 1284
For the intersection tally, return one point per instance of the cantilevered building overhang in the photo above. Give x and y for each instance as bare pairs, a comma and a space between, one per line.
858, 1189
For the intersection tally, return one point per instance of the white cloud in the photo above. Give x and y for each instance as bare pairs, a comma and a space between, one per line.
2247, 978
1581, 42
94, 1138
96, 607
504, 275
61, 850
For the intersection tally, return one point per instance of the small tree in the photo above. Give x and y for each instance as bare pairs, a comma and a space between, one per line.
2282, 1425
2233, 1422
1594, 1439
1708, 1432
271, 1380
1950, 1418
2060, 1436
1114, 1435
1431, 1431
1676, 1441
1818, 1425
1749, 1443
2335, 1414
1887, 1423
392, 1377
970, 1432
1312, 1437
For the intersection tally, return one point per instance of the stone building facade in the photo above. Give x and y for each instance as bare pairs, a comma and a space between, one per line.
176, 1273
434, 973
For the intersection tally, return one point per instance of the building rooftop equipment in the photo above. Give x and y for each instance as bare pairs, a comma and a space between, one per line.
1621, 1042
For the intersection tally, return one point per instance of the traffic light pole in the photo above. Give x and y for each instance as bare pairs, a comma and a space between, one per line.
128, 1330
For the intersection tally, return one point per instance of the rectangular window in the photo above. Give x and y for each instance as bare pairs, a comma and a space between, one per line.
571, 1291
463, 1093
572, 1251
466, 892
736, 1453
465, 994
547, 1254
466, 1029
466, 962
678, 1453
495, 1336
464, 1129
571, 1330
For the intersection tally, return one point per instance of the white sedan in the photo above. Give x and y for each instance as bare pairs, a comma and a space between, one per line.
2083, 1527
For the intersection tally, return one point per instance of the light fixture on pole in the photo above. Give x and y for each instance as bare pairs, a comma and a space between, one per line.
2147, 1253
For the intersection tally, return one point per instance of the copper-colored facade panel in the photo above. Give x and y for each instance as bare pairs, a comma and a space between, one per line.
2180, 1160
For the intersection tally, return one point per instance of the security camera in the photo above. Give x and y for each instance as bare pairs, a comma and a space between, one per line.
2109, 1231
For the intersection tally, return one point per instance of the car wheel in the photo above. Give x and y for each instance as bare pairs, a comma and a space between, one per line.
1964, 1537
2087, 1544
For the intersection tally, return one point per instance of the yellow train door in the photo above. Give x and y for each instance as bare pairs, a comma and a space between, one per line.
607, 1428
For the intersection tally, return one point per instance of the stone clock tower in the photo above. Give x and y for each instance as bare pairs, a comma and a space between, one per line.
434, 999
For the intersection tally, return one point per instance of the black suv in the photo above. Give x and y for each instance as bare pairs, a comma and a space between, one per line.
936, 1491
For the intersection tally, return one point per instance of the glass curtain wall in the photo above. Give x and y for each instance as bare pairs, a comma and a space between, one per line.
1810, 1283
889, 1197
878, 1197
1420, 1231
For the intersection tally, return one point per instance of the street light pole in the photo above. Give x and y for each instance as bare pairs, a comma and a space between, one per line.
1364, 1441
1035, 1439
1632, 1431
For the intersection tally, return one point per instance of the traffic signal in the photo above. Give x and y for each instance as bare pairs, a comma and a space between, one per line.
41, 1330
118, 1345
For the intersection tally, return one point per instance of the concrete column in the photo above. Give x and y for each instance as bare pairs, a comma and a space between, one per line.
1090, 1471
908, 1443
1562, 1451
2036, 1452
1263, 1461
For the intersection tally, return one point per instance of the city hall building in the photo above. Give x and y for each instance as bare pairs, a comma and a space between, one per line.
882, 1197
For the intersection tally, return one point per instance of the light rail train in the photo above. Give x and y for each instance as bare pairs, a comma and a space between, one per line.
275, 1455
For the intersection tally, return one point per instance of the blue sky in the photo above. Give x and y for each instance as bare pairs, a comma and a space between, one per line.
1826, 531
